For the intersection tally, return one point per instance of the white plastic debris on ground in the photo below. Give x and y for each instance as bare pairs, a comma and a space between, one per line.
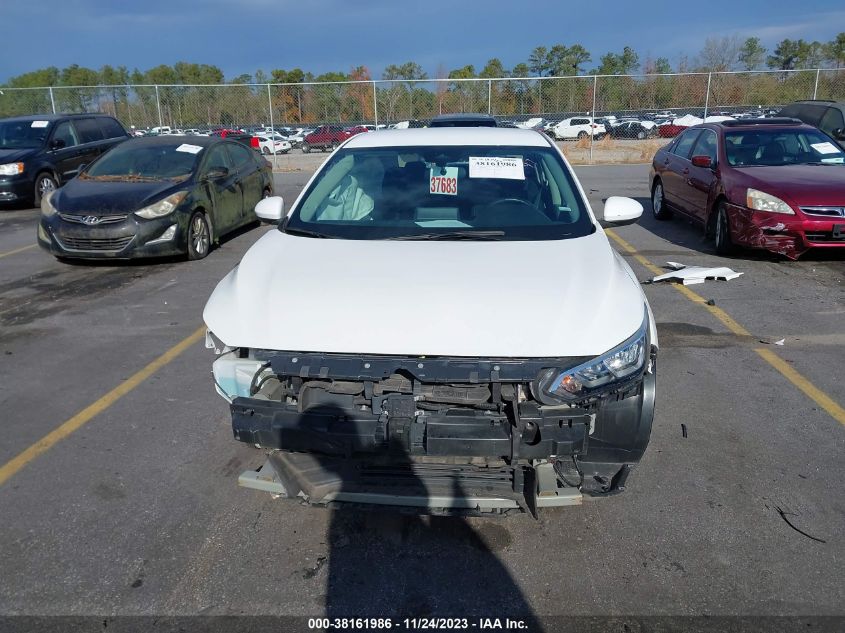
689, 275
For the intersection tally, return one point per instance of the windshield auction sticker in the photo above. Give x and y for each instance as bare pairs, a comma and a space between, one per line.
494, 167
40, 124
443, 181
190, 149
824, 148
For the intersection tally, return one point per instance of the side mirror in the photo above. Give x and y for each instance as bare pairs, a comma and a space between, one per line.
218, 172
702, 161
839, 133
619, 211
57, 143
271, 210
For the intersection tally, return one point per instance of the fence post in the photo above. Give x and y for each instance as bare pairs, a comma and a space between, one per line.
707, 96
272, 127
158, 105
52, 100
489, 96
593, 116
816, 87
375, 105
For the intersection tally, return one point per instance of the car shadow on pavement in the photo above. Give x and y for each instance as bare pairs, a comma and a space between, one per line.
387, 561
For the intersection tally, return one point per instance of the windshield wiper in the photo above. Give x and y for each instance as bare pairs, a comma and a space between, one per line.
304, 232
453, 235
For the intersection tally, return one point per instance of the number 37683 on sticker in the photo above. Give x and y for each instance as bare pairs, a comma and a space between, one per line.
443, 181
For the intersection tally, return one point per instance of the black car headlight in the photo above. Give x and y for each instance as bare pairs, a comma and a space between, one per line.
622, 364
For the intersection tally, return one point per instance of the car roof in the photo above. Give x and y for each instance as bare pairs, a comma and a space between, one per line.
53, 117
449, 136
176, 139
745, 125
463, 119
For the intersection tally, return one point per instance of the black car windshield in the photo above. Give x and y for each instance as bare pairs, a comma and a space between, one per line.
135, 161
781, 147
443, 192
23, 134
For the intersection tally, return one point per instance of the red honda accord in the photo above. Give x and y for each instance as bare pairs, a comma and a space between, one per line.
775, 184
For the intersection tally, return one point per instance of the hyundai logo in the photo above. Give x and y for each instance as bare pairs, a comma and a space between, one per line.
91, 220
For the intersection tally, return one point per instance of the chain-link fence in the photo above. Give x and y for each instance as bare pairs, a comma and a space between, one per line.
415, 102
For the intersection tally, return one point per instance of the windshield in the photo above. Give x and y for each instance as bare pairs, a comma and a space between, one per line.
781, 147
454, 192
23, 134
131, 161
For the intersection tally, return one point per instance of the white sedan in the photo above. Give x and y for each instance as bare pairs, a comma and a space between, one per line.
267, 145
441, 302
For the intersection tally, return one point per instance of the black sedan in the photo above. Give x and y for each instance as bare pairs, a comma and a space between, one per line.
163, 195
632, 129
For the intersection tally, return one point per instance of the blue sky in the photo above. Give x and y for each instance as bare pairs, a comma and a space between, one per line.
241, 36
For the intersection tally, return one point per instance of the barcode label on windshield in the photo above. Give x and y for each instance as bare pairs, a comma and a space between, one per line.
496, 167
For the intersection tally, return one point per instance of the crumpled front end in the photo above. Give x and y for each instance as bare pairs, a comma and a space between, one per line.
787, 235
458, 432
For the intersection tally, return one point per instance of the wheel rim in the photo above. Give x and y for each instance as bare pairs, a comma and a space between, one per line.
657, 198
46, 185
199, 236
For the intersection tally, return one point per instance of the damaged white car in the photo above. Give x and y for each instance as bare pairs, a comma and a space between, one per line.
439, 322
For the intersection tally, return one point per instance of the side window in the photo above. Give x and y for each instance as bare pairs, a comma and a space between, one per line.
684, 145
88, 130
832, 120
64, 132
110, 127
241, 156
217, 158
706, 145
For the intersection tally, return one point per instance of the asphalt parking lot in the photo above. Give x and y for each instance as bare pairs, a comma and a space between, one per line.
133, 508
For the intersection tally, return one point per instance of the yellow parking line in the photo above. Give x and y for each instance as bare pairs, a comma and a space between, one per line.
10, 468
808, 388
17, 250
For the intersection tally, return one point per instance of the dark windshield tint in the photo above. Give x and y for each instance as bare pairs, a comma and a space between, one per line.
523, 193
23, 134
130, 161
781, 147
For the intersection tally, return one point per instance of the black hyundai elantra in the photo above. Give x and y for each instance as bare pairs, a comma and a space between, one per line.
164, 195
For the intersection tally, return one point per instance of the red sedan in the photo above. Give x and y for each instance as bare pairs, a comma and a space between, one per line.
775, 184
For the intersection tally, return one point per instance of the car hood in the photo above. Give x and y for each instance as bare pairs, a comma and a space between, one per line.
429, 298
15, 155
98, 197
802, 185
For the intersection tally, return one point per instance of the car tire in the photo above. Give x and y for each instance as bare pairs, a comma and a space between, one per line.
44, 183
265, 150
722, 230
658, 202
640, 135
306, 148
582, 135
199, 236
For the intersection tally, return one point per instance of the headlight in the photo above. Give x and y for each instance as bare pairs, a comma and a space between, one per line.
622, 363
162, 207
762, 201
47, 206
11, 169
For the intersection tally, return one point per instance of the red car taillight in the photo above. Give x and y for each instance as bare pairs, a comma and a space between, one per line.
253, 142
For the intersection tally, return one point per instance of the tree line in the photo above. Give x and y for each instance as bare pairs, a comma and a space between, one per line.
188, 94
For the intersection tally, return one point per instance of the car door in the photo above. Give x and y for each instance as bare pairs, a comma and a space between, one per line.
224, 188
249, 178
700, 180
676, 166
64, 148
